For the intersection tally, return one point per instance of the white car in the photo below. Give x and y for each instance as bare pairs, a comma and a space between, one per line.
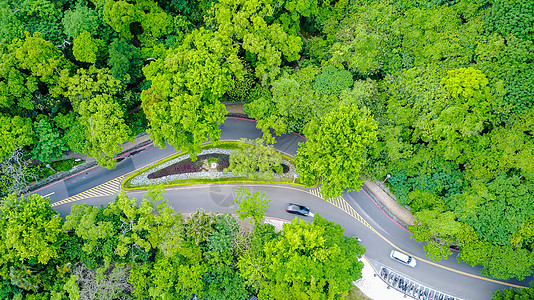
403, 258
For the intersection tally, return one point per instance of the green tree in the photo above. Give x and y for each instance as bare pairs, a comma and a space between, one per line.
93, 93
253, 206
79, 20
119, 15
41, 16
30, 230
243, 22
255, 160
105, 127
182, 104
293, 103
333, 81
29, 67
514, 294
15, 132
10, 26
336, 149
87, 49
327, 262
439, 230
125, 61
50, 144
366, 39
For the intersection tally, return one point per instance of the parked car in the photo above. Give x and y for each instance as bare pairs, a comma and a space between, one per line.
403, 258
298, 209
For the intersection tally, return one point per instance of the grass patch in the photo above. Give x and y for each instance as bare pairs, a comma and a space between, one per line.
222, 145
42, 172
356, 294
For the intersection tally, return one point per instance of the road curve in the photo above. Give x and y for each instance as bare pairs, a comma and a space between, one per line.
357, 212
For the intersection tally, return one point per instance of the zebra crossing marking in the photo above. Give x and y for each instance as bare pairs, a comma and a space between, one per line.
343, 205
108, 188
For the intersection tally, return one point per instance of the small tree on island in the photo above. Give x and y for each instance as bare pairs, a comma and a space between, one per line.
253, 206
255, 160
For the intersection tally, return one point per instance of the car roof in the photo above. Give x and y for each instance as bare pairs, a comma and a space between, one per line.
401, 256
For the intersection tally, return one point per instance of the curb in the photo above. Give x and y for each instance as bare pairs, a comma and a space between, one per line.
389, 205
53, 179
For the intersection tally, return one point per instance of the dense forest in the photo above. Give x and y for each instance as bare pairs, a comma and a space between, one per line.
438, 94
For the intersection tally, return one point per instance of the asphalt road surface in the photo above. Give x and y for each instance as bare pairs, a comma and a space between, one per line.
358, 213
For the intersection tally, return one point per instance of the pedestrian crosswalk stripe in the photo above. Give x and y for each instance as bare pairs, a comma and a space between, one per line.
342, 204
109, 188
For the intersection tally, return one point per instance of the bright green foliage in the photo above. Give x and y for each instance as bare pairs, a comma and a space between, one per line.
14, 132
27, 66
182, 105
333, 81
498, 208
105, 128
16, 87
50, 145
30, 230
439, 27
432, 224
310, 261
509, 262
79, 20
514, 294
119, 15
507, 63
87, 49
74, 132
71, 287
123, 16
255, 161
253, 206
154, 20
87, 83
291, 105
336, 149
243, 22
366, 39
92, 94
40, 57
83, 221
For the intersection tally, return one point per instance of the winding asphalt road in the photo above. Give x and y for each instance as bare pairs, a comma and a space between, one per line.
359, 215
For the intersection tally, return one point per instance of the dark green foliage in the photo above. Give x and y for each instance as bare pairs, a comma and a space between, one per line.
511, 18
125, 61
515, 294
9, 291
10, 26
50, 145
435, 177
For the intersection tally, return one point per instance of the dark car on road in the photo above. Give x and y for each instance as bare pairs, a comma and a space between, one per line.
298, 210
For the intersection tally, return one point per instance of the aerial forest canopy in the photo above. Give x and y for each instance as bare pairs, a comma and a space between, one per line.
438, 94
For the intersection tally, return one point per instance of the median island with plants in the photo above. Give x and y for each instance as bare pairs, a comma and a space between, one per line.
243, 161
